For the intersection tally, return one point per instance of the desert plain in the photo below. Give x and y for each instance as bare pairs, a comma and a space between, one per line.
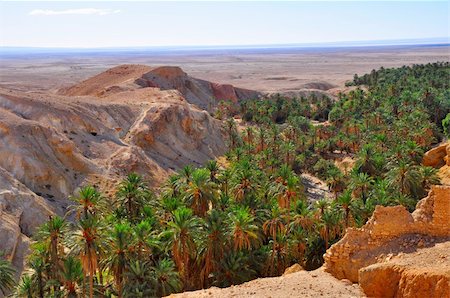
265, 70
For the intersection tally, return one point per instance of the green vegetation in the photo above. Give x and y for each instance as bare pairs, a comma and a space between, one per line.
6, 275
248, 216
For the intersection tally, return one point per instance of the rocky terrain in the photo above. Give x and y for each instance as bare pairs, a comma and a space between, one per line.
131, 118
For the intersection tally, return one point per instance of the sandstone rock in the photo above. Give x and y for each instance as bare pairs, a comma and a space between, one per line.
435, 157
387, 230
413, 275
294, 268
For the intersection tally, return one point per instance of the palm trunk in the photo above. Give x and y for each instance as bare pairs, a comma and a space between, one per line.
91, 284
40, 285
84, 286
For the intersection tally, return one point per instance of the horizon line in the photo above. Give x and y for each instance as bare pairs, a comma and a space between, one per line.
349, 43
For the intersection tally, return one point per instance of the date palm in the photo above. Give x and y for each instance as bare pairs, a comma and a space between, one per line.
72, 276
167, 280
345, 203
182, 230
199, 192
52, 234
25, 288
118, 245
361, 183
132, 194
243, 230
213, 244
89, 202
6, 276
329, 226
85, 243
303, 216
405, 177
213, 168
429, 176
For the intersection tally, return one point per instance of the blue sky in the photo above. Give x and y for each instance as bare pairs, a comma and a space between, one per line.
149, 23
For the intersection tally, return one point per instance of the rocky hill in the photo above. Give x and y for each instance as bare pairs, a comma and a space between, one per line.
131, 118
203, 94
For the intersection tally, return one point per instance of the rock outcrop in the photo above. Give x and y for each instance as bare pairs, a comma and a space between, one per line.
201, 93
389, 232
437, 156
425, 273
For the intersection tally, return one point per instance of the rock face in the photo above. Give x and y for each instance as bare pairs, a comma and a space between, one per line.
425, 273
97, 132
392, 231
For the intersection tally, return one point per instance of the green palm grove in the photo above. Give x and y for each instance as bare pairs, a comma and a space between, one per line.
248, 215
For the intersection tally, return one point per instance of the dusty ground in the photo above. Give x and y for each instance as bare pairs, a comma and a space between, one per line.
300, 284
263, 71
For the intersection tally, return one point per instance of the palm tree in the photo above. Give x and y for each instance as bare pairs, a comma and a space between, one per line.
25, 288
145, 240
214, 243
234, 269
303, 216
132, 194
232, 131
72, 276
182, 231
361, 183
244, 185
167, 279
213, 169
52, 233
6, 276
199, 192
276, 229
335, 180
224, 180
140, 280
86, 244
429, 177
321, 206
243, 230
89, 202
405, 177
366, 162
39, 265
344, 202
121, 238
329, 227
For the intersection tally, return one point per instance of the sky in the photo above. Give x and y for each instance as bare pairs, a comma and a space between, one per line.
182, 23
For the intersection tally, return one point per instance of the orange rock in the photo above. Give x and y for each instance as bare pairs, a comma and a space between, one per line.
435, 157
